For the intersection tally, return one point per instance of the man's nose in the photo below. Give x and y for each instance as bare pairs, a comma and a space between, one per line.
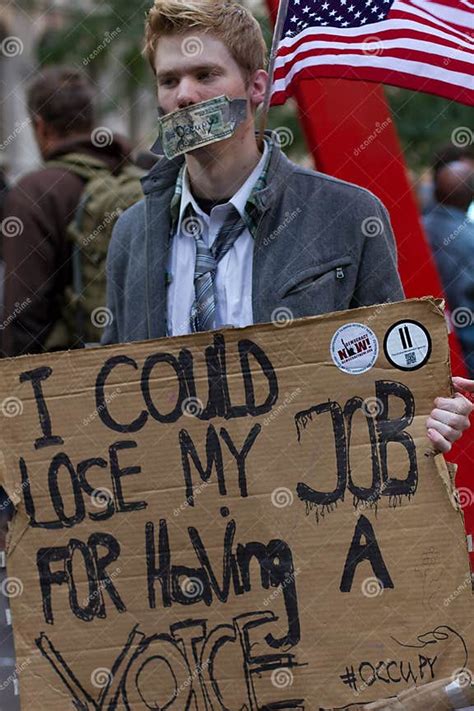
188, 93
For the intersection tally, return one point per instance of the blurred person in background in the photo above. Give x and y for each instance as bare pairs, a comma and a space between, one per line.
443, 156
40, 207
451, 235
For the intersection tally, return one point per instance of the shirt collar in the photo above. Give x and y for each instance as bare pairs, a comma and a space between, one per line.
242, 196
243, 200
186, 200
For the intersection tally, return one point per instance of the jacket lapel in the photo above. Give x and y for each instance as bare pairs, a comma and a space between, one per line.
158, 187
264, 261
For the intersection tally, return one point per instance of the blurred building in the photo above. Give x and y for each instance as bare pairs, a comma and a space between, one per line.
23, 26
18, 36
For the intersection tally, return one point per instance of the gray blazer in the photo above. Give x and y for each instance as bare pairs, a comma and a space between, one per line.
322, 245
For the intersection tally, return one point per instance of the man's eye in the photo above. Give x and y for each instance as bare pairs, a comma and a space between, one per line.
204, 75
167, 82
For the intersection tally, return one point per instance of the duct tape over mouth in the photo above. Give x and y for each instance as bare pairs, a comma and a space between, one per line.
199, 125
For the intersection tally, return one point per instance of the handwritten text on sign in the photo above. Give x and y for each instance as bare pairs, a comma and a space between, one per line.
156, 529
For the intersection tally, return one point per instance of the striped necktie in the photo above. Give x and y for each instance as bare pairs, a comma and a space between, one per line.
204, 308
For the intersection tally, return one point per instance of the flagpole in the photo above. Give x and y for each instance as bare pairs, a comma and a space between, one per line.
280, 21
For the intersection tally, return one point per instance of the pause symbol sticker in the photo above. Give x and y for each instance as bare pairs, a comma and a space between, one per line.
407, 345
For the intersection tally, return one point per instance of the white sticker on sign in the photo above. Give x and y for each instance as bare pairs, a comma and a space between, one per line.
407, 345
354, 348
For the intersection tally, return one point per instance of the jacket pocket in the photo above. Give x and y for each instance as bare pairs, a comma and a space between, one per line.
314, 276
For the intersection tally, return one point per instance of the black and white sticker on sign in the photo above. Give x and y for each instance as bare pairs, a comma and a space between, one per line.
407, 345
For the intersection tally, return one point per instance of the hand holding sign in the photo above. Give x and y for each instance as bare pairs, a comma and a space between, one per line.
450, 417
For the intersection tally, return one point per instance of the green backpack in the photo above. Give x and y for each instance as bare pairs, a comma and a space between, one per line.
105, 196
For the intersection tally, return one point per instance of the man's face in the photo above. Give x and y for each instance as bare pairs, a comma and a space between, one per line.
195, 67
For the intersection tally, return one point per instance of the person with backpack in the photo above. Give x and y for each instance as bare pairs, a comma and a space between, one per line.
57, 221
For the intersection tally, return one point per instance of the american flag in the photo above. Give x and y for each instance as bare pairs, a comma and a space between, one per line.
416, 44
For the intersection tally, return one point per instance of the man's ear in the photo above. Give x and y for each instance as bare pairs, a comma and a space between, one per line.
257, 87
41, 128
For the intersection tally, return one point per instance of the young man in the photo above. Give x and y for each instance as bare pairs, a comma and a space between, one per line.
232, 234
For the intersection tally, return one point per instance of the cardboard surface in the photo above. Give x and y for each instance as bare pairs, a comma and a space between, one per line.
239, 520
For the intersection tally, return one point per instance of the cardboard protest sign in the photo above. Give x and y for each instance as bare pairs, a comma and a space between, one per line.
238, 520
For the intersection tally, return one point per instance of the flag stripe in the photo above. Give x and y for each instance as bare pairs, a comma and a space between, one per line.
400, 28
373, 44
406, 66
401, 10
451, 15
401, 79
425, 52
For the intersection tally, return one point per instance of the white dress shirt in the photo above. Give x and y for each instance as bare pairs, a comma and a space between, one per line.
233, 279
